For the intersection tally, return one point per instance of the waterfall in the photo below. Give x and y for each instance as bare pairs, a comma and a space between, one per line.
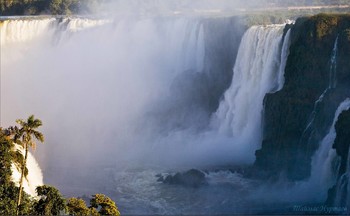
284, 57
77, 24
15, 31
20, 31
331, 85
333, 67
258, 71
34, 177
129, 74
323, 174
342, 188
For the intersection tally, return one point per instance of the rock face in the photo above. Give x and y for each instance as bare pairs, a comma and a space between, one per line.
341, 144
191, 178
293, 122
342, 141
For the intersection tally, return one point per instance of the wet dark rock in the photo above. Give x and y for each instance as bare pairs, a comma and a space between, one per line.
287, 147
192, 178
160, 178
342, 141
341, 144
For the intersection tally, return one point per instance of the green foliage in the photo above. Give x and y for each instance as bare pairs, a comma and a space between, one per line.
51, 201
63, 6
54, 7
27, 131
76, 206
106, 205
8, 190
325, 24
23, 136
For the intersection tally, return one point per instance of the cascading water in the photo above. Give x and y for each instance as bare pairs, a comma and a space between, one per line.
17, 31
34, 177
20, 31
136, 64
14, 32
333, 67
342, 188
323, 173
284, 57
258, 71
331, 85
90, 103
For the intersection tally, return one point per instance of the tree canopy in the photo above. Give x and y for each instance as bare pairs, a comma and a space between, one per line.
49, 200
105, 204
52, 7
68, 7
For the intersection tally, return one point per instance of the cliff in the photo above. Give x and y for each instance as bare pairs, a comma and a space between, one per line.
341, 145
294, 122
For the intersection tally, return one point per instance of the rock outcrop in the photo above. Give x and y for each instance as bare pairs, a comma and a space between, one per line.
341, 144
191, 178
294, 122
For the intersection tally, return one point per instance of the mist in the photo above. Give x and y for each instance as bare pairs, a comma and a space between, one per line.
192, 7
153, 86
129, 92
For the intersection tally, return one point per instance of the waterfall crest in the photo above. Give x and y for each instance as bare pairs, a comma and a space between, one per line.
20, 31
15, 31
258, 71
284, 57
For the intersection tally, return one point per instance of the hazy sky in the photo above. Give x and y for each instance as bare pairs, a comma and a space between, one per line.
155, 6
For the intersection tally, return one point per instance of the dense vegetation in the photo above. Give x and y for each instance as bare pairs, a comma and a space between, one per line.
49, 200
37, 7
308, 2
68, 7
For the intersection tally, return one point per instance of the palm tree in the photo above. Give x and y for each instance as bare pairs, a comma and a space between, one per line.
23, 137
15, 155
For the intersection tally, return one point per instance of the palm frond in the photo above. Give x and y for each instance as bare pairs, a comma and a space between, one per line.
20, 122
39, 136
32, 144
17, 159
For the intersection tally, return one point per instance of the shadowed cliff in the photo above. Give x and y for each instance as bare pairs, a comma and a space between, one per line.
294, 122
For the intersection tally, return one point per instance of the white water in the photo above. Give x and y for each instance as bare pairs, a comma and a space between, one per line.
235, 131
102, 80
323, 175
343, 184
17, 31
258, 71
20, 31
34, 177
97, 83
333, 67
284, 57
343, 187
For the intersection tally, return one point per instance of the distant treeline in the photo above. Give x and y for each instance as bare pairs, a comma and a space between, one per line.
38, 7
308, 2
67, 7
